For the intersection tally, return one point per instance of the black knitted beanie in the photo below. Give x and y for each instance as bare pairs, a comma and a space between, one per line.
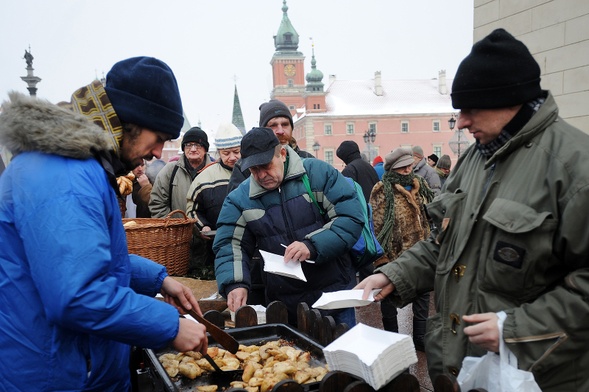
499, 72
274, 108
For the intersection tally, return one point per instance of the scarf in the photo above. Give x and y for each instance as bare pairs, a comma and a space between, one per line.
92, 102
512, 128
389, 179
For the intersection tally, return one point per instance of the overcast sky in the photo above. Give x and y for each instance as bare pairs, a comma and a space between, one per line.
211, 45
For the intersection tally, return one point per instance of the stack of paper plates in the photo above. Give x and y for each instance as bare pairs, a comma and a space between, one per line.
375, 355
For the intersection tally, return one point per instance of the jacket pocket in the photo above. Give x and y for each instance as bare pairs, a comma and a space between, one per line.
446, 211
520, 249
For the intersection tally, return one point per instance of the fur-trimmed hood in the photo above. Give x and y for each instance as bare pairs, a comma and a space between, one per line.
32, 124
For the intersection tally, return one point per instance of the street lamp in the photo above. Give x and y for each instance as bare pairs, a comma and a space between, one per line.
452, 121
369, 138
316, 147
457, 141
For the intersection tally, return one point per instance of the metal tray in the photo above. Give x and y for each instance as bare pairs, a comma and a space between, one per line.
258, 335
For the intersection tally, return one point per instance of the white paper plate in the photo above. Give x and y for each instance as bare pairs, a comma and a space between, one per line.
275, 264
344, 299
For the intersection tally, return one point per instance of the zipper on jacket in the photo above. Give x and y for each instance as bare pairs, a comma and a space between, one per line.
289, 233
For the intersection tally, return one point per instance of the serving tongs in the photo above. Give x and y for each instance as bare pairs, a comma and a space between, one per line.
234, 375
225, 340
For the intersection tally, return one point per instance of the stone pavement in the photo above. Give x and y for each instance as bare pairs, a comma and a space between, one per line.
370, 315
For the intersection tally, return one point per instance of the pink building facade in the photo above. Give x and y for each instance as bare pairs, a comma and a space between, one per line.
400, 113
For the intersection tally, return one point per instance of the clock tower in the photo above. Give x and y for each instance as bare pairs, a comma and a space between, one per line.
288, 69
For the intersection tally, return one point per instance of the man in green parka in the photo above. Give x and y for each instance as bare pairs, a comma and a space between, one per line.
511, 239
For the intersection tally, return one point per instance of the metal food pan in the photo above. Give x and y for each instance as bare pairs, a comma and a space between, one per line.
255, 335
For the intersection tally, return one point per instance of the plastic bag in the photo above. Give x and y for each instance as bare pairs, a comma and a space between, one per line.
496, 373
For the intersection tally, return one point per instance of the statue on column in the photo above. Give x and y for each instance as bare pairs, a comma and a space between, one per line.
28, 58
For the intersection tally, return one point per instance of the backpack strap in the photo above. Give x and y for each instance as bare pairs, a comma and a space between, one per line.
176, 167
305, 180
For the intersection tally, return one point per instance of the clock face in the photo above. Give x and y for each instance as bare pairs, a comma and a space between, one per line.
289, 70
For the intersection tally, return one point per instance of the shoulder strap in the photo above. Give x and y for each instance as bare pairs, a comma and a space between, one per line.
172, 185
305, 180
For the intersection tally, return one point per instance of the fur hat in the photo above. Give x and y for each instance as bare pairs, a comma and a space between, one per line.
257, 147
499, 72
418, 151
444, 162
400, 157
434, 158
196, 135
228, 136
144, 91
274, 108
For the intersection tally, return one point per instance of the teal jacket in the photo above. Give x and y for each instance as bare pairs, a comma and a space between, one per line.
253, 216
513, 235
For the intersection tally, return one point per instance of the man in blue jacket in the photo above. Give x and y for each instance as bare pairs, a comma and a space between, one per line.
73, 299
273, 207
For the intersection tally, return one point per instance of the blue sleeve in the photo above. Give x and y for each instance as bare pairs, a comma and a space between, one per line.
343, 209
147, 276
71, 228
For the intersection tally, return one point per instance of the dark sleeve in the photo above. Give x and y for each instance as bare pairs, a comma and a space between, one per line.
350, 172
237, 176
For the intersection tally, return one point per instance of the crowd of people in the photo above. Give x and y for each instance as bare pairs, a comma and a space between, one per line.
498, 239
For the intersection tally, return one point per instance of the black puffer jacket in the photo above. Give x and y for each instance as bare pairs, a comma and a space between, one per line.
356, 168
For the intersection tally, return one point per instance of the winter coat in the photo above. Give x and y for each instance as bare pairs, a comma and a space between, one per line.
429, 174
206, 195
176, 178
410, 222
73, 299
253, 216
140, 197
363, 173
512, 236
379, 169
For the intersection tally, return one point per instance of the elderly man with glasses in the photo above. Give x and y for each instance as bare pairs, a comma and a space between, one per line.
173, 181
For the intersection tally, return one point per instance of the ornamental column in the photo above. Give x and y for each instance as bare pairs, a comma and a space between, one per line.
31, 80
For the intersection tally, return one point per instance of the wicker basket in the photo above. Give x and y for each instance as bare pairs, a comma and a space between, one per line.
163, 240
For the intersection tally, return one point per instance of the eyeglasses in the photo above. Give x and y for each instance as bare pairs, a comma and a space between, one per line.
190, 145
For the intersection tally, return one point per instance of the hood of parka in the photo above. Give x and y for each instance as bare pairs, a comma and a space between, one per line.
32, 124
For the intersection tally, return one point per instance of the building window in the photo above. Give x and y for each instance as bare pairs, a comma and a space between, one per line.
404, 127
349, 128
292, 107
372, 127
438, 150
329, 156
436, 126
290, 83
316, 106
327, 129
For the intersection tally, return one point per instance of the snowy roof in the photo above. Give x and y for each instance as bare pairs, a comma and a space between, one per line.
357, 98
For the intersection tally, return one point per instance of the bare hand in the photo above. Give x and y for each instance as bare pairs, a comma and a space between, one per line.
484, 331
179, 296
143, 180
191, 336
376, 281
297, 251
236, 298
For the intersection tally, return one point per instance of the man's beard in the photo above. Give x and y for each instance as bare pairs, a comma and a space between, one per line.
126, 152
132, 165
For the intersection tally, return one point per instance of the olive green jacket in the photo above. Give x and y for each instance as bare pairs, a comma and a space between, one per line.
511, 234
